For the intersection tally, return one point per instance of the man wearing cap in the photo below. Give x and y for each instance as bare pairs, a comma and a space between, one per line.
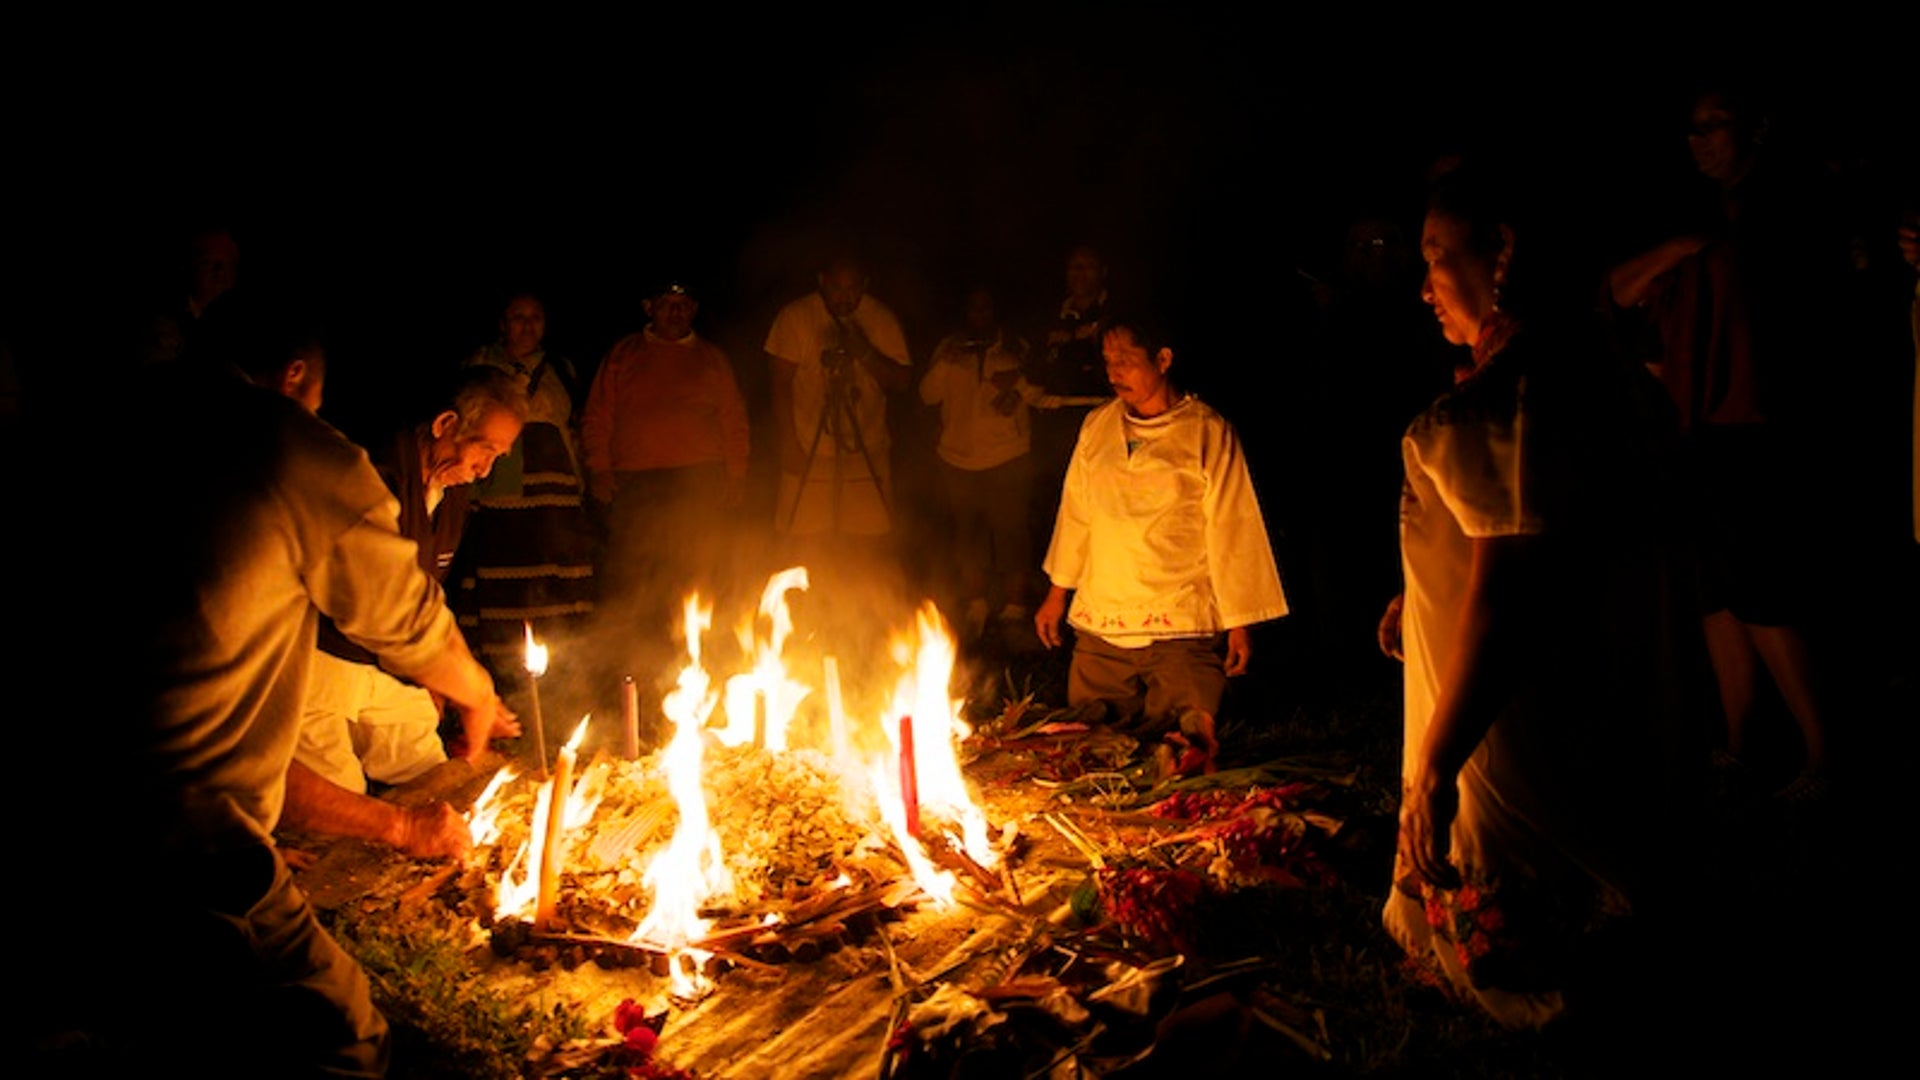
665, 440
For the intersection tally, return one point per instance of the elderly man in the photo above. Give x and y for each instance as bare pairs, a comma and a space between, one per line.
665, 440
837, 353
264, 520
361, 722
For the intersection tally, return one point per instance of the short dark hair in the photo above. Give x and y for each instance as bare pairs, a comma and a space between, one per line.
1146, 332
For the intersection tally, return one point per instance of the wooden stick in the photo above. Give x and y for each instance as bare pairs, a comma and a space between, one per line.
1080, 843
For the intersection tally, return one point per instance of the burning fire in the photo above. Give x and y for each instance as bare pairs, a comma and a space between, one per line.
912, 774
760, 704
924, 775
690, 869
483, 822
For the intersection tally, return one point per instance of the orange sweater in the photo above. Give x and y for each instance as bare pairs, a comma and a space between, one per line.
662, 405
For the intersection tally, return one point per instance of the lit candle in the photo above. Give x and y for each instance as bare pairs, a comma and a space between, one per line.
548, 897
632, 726
909, 778
836, 711
536, 667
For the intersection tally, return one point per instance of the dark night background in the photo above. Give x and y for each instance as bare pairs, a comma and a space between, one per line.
400, 180
403, 179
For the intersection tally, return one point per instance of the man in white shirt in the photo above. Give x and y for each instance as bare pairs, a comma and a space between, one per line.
1161, 541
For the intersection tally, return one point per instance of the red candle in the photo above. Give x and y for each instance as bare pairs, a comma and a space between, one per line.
909, 778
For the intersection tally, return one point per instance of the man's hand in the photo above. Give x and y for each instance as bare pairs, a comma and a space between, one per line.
1046, 621
1389, 632
1428, 805
1239, 650
434, 831
484, 722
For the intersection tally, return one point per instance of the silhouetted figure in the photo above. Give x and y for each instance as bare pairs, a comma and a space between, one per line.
1735, 312
1068, 366
211, 270
986, 468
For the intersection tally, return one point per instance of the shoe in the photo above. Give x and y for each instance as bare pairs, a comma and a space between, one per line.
1806, 789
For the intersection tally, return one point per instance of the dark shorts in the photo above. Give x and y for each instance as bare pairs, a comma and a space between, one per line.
1149, 687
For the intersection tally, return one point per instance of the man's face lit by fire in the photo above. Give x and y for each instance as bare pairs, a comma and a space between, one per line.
1460, 281
1138, 380
524, 325
843, 287
460, 457
672, 315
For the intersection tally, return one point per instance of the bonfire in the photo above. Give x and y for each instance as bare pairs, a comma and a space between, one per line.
747, 829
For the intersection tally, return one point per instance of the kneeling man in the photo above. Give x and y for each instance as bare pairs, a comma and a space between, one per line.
1161, 541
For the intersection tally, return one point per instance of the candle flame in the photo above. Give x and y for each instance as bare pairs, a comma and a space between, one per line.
536, 654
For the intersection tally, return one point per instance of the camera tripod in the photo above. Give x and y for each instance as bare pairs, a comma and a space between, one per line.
837, 419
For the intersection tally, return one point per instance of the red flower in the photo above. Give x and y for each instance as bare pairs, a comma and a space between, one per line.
641, 1039
629, 1015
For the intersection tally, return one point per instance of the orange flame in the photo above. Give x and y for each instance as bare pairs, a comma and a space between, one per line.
536, 654
922, 693
690, 868
483, 821
760, 705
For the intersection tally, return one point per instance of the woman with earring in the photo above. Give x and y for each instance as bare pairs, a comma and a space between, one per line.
1541, 628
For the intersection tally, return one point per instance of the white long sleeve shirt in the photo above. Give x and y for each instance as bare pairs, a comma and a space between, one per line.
1159, 533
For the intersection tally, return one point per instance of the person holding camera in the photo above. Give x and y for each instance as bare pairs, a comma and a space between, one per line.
986, 468
836, 354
